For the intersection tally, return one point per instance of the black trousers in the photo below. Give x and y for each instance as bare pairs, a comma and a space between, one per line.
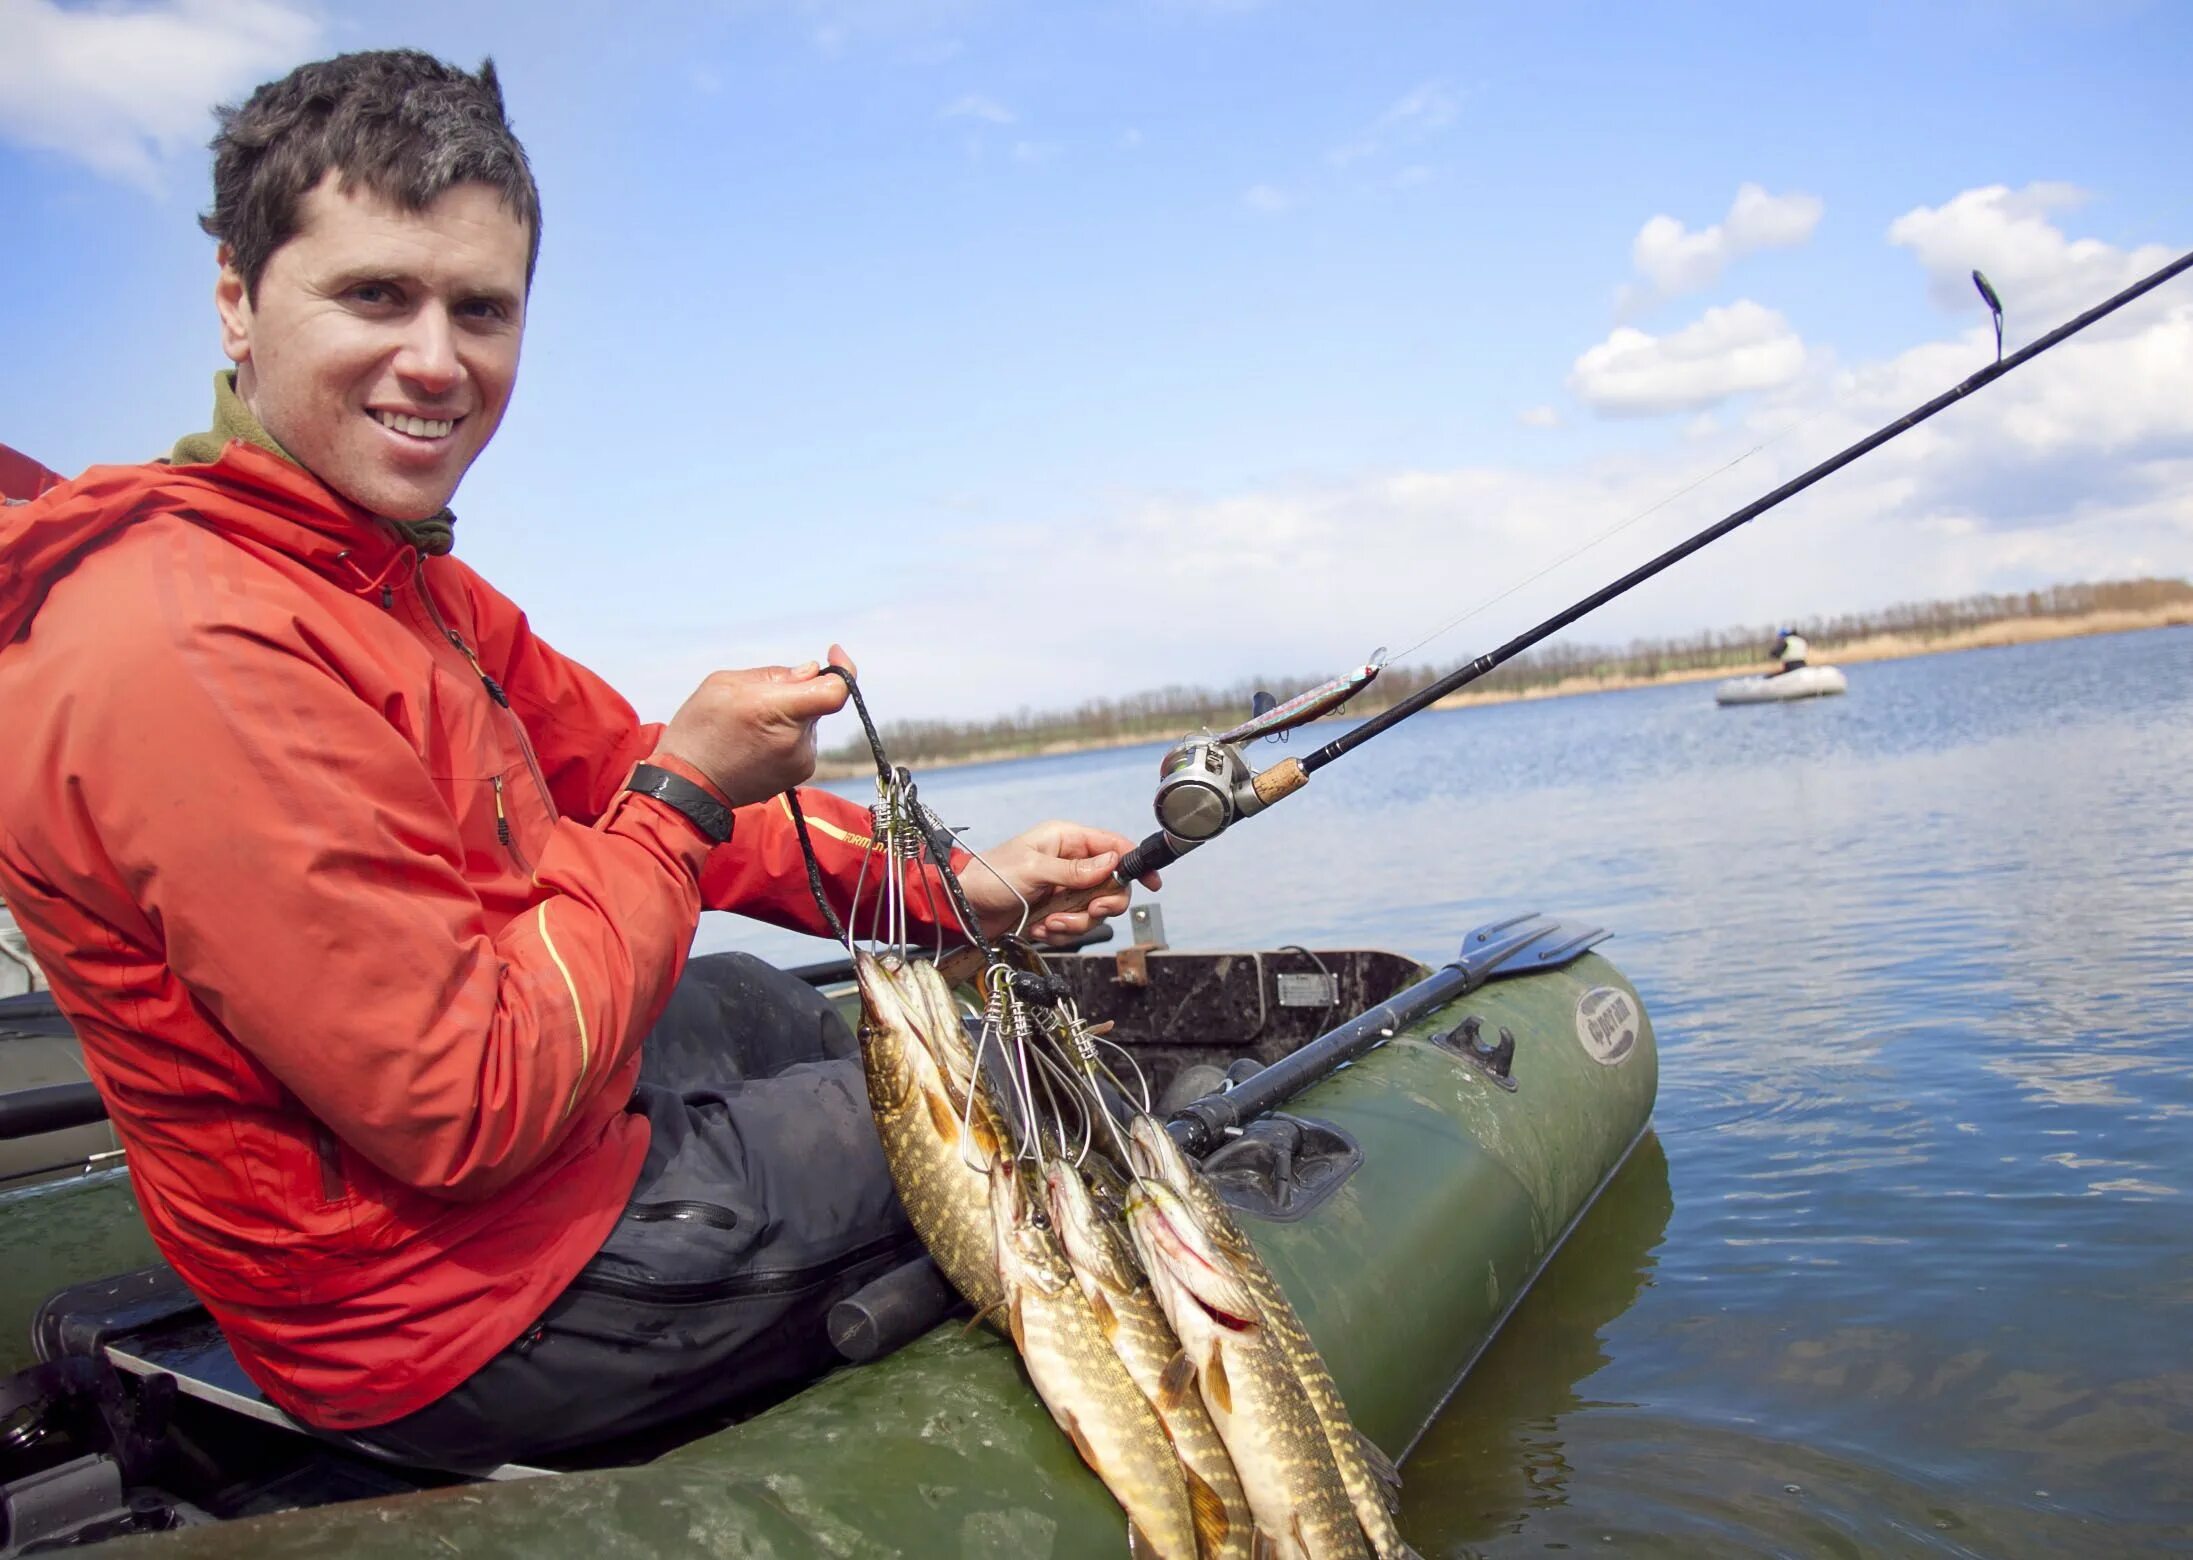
763, 1201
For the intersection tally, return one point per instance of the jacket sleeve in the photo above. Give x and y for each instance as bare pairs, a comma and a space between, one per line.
587, 739
288, 847
762, 872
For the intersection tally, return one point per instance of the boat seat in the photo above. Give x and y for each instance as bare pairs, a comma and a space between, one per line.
148, 1323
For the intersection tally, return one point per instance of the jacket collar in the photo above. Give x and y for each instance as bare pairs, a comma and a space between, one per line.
233, 424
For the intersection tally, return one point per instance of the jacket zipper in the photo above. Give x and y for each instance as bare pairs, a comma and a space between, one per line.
684, 1210
502, 828
738, 1286
495, 692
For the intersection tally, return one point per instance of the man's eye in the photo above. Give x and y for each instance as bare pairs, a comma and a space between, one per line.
373, 293
484, 309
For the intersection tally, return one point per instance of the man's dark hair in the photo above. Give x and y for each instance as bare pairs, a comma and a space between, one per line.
401, 123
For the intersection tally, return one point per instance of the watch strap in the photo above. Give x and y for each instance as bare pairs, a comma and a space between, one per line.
707, 814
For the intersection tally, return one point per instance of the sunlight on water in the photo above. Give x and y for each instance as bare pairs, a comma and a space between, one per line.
1909, 1265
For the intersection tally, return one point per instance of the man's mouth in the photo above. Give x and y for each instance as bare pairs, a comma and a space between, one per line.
416, 427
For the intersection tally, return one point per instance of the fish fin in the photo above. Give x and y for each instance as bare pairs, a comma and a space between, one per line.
1381, 1467
1177, 1381
941, 1115
1301, 1539
1262, 1546
1215, 1385
1138, 1542
1072, 1427
1106, 1318
986, 1314
1013, 1324
1208, 1509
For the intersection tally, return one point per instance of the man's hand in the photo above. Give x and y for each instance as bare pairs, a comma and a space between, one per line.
753, 732
1063, 871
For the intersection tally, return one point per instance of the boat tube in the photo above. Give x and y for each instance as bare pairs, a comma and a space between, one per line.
1807, 682
1405, 1191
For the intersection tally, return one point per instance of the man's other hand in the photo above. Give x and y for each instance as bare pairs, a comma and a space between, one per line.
752, 732
1063, 871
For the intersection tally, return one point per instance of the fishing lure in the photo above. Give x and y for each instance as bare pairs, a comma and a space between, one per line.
1276, 719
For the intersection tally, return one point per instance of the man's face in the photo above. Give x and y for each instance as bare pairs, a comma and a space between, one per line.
383, 343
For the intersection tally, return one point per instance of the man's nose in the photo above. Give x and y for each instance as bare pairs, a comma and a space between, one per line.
428, 356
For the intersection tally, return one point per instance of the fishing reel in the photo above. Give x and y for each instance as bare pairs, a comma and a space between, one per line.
1203, 786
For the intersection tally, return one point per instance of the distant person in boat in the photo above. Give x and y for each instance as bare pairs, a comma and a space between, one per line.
372, 911
1789, 649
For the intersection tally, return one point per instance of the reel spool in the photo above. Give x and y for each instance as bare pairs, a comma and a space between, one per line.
1203, 786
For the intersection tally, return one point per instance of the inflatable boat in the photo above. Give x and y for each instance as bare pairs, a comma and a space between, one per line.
1407, 1146
1807, 682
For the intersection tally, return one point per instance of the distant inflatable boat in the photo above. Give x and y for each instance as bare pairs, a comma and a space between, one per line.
1807, 682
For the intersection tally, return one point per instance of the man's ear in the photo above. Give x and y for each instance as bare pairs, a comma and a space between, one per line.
233, 302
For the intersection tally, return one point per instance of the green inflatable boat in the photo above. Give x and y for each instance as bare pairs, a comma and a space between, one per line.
1407, 1146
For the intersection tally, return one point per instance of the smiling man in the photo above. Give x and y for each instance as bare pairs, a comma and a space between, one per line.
372, 911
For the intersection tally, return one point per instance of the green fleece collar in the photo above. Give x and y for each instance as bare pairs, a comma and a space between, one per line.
232, 420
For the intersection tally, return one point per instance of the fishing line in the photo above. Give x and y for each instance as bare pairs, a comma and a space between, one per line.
1205, 786
1613, 531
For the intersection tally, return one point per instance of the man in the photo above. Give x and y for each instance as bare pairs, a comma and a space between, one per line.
364, 901
1790, 648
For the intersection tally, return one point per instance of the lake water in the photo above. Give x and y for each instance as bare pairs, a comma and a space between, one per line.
1907, 1264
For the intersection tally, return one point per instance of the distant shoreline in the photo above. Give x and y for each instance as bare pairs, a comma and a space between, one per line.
1873, 647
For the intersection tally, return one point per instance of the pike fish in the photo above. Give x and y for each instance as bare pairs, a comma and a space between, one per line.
1080, 1378
1295, 1496
1103, 1263
1369, 1477
943, 1189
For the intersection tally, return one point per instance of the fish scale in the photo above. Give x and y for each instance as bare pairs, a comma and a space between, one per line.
1144, 1340
1081, 1380
1254, 1397
1368, 1492
946, 1198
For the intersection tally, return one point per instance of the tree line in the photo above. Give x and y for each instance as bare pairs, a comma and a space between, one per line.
1158, 714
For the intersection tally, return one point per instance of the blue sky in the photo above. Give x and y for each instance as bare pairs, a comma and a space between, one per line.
1046, 351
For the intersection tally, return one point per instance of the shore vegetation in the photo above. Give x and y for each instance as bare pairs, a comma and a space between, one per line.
1550, 670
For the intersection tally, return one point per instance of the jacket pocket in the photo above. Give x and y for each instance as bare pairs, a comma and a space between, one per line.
328, 1150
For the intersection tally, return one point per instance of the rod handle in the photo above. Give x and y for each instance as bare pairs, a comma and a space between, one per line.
1283, 779
1153, 853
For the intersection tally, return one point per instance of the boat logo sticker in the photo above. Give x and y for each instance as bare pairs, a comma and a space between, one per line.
1606, 1024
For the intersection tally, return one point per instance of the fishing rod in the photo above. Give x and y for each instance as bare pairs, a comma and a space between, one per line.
1205, 785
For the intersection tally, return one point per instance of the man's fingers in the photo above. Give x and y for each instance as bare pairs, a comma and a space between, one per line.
812, 699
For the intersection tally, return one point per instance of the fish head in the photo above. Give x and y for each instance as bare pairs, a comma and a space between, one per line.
1091, 1239
886, 1038
1172, 1239
882, 1004
1154, 1155
1028, 1249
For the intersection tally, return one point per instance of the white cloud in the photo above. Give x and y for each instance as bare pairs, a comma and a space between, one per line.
1539, 417
1267, 198
1742, 346
2078, 466
1420, 114
1032, 152
1129, 139
2041, 274
120, 88
1673, 260
975, 106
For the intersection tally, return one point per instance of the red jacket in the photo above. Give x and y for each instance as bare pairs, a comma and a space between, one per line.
22, 477
326, 857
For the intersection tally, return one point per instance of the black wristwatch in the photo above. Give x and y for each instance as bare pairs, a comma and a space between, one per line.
709, 816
